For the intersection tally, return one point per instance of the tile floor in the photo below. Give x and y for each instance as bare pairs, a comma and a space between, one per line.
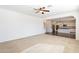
19, 45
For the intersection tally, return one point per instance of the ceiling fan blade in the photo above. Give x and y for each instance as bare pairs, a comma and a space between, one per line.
46, 10
49, 6
37, 11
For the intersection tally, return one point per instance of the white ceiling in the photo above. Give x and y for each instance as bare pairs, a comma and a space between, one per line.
29, 9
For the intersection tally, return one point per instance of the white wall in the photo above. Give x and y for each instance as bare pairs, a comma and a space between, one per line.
77, 26
15, 25
72, 13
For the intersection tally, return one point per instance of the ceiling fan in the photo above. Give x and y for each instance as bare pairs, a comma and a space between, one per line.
43, 10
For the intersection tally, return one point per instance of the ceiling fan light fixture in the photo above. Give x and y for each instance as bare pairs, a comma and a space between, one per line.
42, 12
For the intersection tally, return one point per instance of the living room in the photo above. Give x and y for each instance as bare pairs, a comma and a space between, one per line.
23, 28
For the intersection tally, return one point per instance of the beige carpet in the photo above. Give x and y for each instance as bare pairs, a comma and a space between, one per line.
45, 48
